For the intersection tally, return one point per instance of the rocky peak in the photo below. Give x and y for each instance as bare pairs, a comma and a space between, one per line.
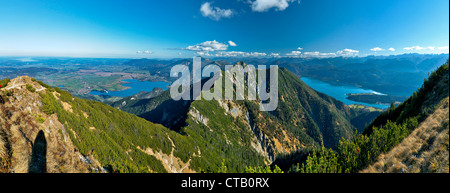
241, 63
30, 140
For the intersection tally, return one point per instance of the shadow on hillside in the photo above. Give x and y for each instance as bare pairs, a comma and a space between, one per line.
1, 100
171, 114
38, 163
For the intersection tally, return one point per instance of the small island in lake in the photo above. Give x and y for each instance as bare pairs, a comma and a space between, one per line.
374, 98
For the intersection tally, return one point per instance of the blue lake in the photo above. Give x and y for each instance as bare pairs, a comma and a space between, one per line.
135, 87
338, 92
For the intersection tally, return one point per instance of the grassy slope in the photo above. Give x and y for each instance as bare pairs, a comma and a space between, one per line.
424, 150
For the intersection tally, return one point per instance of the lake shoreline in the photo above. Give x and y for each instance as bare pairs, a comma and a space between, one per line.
340, 92
132, 86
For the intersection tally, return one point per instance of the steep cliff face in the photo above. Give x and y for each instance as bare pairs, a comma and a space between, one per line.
259, 141
32, 141
264, 144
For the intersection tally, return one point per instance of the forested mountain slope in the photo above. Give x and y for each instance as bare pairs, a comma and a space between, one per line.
303, 118
106, 139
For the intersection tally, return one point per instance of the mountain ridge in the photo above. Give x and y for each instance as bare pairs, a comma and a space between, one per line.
294, 99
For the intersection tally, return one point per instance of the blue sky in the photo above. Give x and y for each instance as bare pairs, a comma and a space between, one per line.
180, 28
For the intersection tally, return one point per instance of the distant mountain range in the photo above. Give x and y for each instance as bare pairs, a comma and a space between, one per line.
397, 75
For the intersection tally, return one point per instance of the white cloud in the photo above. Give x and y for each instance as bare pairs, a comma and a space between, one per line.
257, 54
208, 46
414, 48
299, 48
318, 54
376, 49
327, 54
293, 53
443, 49
144, 52
275, 55
231, 43
239, 53
417, 48
229, 54
203, 54
265, 5
347, 52
391, 49
215, 13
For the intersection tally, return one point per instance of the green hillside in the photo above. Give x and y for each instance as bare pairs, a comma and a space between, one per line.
304, 118
421, 103
119, 136
111, 135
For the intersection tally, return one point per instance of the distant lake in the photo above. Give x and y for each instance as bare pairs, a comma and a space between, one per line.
338, 92
135, 87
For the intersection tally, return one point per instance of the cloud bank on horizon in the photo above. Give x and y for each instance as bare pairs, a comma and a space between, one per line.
218, 49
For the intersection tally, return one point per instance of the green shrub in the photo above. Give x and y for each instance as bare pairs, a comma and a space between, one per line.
30, 88
49, 88
263, 169
39, 118
8, 92
49, 103
4, 82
